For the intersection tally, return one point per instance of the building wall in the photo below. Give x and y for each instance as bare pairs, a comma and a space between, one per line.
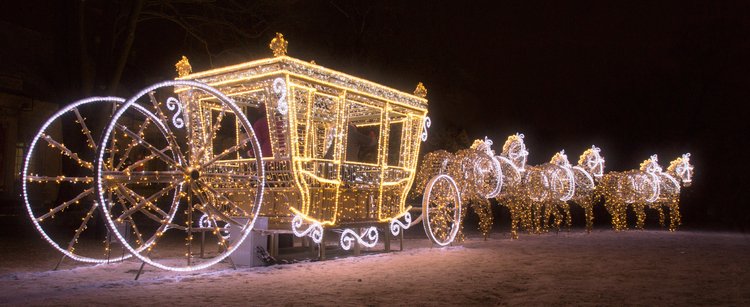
20, 119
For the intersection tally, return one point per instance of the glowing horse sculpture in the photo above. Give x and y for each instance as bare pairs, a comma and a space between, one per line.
476, 172
513, 167
586, 175
679, 172
550, 186
634, 188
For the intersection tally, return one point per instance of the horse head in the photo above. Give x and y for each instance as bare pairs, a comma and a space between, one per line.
484, 146
682, 169
515, 150
592, 161
560, 159
651, 165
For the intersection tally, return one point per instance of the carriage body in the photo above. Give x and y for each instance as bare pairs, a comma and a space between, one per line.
313, 114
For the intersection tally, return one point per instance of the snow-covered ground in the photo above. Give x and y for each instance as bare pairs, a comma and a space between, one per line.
602, 268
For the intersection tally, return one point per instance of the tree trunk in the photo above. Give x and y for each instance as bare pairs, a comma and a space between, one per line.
124, 53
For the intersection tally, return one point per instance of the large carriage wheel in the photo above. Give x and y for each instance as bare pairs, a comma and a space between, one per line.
180, 177
58, 182
441, 209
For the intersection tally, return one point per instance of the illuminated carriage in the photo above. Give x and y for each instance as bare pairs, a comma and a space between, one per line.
182, 158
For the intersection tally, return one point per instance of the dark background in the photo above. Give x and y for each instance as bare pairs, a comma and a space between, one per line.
633, 77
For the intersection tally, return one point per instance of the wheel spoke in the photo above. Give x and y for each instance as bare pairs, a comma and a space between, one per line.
81, 228
143, 177
85, 130
64, 205
224, 198
226, 152
67, 152
150, 147
124, 192
146, 201
213, 209
59, 179
231, 176
140, 162
209, 137
170, 136
133, 143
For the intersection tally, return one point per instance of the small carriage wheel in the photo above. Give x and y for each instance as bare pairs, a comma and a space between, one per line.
179, 178
441, 209
79, 210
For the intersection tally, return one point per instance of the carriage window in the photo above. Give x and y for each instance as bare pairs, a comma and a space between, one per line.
226, 136
322, 130
363, 132
394, 144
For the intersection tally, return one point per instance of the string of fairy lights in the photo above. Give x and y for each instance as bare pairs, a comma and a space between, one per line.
327, 153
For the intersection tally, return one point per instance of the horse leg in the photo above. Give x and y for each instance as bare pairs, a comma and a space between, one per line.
589, 213
640, 214
568, 217
675, 219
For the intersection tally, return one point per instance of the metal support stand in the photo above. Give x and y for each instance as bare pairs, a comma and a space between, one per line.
140, 270
322, 247
387, 240
203, 242
274, 245
401, 242
357, 246
59, 262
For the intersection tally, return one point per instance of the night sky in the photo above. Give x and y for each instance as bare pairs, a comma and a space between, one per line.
634, 78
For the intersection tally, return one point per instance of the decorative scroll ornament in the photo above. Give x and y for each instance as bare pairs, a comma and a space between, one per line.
368, 238
427, 124
172, 104
315, 231
396, 224
206, 222
183, 67
278, 45
279, 88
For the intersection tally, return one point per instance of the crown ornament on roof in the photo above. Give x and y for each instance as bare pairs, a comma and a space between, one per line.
278, 45
183, 67
420, 91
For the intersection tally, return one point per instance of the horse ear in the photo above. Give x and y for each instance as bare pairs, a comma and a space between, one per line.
654, 158
686, 156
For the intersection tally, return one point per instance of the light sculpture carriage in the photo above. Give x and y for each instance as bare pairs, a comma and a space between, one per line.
181, 157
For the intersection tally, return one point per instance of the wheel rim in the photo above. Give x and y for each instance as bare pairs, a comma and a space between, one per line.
195, 167
81, 185
441, 207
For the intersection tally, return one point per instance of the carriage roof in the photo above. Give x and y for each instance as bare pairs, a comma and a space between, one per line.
267, 67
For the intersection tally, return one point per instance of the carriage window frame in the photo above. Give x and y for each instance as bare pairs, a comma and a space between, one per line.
373, 123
